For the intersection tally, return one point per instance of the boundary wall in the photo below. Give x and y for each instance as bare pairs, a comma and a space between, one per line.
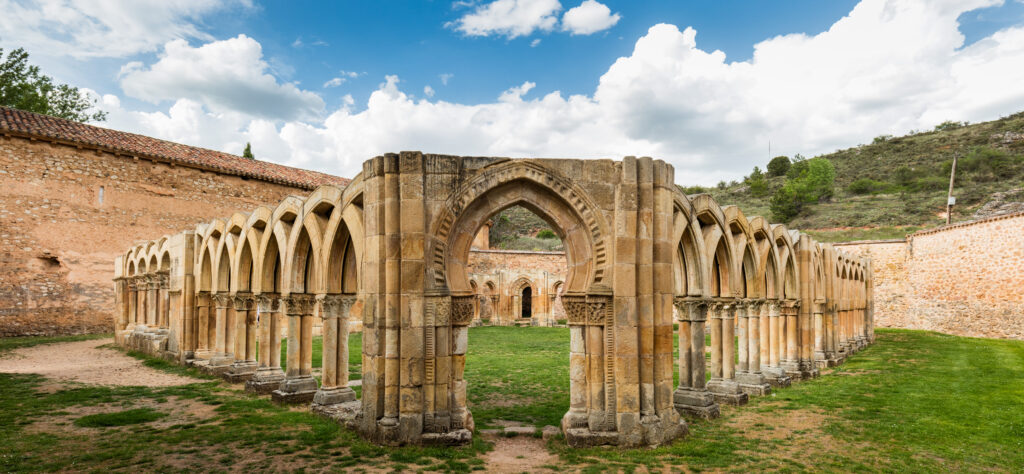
965, 279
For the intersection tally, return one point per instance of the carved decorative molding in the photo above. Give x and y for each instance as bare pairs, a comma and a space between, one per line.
594, 310
692, 308
299, 305
268, 302
462, 309
244, 301
222, 300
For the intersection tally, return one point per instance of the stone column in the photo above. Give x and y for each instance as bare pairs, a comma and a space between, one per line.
749, 376
791, 361
299, 386
164, 315
203, 349
152, 302
773, 372
268, 376
692, 396
133, 302
221, 357
334, 387
742, 344
723, 359
244, 366
820, 359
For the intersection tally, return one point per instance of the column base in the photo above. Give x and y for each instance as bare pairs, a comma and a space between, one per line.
240, 371
727, 392
697, 403
333, 396
628, 431
348, 414
265, 380
294, 390
753, 384
791, 368
776, 377
202, 354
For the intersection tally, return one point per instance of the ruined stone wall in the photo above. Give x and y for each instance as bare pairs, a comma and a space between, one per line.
57, 238
498, 274
965, 279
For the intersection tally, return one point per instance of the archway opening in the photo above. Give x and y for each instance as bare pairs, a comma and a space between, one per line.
539, 246
526, 304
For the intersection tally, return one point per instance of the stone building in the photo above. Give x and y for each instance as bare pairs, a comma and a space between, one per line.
644, 264
515, 287
73, 196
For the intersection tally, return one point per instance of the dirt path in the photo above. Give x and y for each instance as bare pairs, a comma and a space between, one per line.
518, 454
86, 362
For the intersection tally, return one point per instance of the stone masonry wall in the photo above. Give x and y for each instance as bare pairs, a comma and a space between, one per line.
965, 279
58, 239
503, 269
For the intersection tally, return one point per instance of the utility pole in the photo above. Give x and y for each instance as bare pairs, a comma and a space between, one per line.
950, 200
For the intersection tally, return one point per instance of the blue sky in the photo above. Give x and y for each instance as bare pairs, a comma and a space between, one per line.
325, 85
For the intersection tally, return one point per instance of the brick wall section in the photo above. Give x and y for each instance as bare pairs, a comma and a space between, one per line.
965, 279
57, 240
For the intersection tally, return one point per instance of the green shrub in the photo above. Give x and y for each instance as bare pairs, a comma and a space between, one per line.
785, 204
929, 183
758, 184
867, 186
778, 166
120, 418
881, 139
693, 190
546, 234
904, 176
950, 125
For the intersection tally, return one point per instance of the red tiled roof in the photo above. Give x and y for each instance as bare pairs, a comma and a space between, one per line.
33, 125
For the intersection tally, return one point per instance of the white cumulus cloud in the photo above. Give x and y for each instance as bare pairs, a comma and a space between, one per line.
511, 18
886, 67
228, 75
102, 28
588, 18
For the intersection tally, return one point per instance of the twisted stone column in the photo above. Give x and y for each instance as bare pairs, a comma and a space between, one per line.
268, 375
334, 379
299, 386
163, 296
692, 396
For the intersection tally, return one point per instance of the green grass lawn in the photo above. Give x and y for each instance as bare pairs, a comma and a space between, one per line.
915, 401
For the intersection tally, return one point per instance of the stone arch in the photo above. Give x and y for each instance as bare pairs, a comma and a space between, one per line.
689, 269
247, 250
274, 245
746, 283
522, 290
787, 262
718, 259
554, 198
767, 257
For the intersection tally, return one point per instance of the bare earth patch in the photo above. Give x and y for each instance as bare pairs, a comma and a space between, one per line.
518, 454
85, 362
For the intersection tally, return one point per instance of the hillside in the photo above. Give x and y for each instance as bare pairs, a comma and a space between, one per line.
516, 228
897, 185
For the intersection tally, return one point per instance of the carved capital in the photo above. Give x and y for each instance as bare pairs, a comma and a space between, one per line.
692, 308
222, 300
335, 306
462, 310
244, 301
594, 310
299, 305
268, 302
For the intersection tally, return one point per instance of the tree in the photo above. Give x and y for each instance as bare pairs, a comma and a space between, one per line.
23, 87
808, 181
247, 152
758, 185
778, 166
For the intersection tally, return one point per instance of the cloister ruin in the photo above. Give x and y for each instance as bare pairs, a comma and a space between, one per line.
388, 254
